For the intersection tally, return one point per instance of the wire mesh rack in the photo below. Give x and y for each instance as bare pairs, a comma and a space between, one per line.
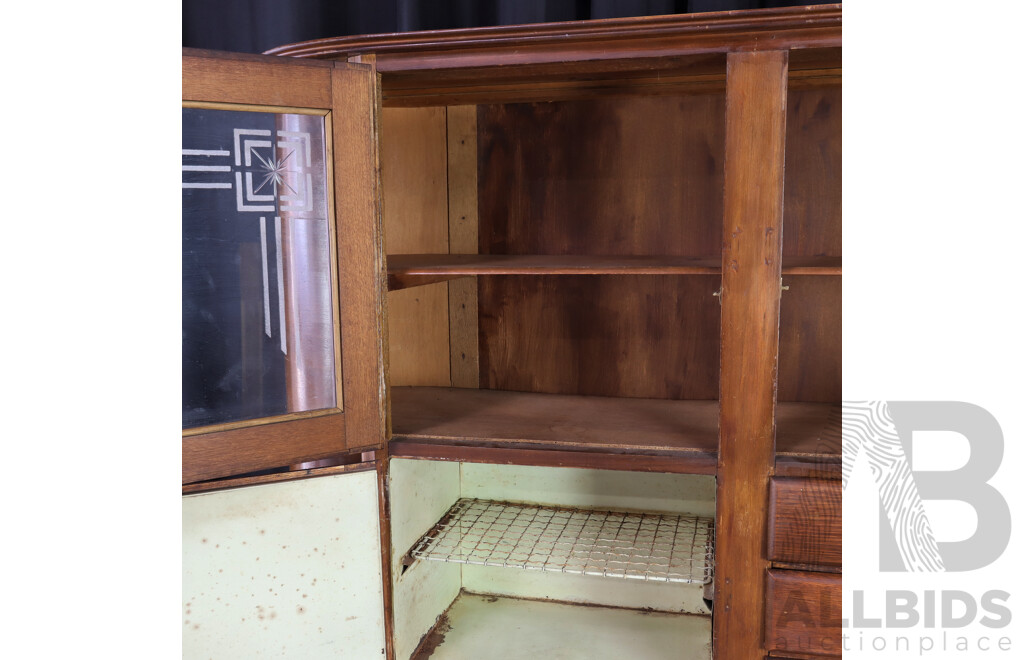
640, 546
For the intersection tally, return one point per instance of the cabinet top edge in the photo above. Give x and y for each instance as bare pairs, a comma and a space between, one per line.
815, 26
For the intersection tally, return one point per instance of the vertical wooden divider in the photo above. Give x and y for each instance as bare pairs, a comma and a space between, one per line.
463, 229
751, 280
363, 280
364, 250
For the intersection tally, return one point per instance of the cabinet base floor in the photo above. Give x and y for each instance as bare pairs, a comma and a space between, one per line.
479, 627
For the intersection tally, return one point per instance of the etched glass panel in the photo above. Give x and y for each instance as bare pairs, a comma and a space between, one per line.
257, 310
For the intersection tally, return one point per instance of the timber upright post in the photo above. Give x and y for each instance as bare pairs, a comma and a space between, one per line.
751, 286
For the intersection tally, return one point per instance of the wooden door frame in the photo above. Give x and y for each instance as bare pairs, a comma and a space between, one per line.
348, 94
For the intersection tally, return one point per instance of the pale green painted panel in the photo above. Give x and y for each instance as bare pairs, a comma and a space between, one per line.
594, 489
284, 570
589, 589
421, 492
421, 595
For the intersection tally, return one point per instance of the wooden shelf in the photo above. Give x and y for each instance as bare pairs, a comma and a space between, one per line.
407, 270
504, 423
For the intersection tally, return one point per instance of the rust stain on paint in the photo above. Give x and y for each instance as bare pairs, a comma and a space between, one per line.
435, 638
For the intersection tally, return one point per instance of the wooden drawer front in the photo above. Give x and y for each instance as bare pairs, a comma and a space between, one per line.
803, 614
806, 522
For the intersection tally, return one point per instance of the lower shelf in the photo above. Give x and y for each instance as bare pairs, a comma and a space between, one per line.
639, 546
480, 626
808, 432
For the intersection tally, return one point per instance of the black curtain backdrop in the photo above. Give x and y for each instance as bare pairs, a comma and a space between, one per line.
254, 26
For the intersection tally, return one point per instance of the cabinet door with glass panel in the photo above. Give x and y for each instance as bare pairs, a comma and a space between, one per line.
281, 263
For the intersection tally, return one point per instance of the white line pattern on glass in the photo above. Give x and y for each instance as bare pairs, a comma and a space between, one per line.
205, 152
280, 283
238, 142
266, 277
206, 168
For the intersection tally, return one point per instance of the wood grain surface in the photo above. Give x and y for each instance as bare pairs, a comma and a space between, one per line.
360, 245
813, 223
248, 449
347, 93
811, 340
616, 177
695, 462
625, 176
751, 278
803, 613
463, 237
407, 270
476, 417
589, 43
214, 77
806, 522
652, 336
414, 178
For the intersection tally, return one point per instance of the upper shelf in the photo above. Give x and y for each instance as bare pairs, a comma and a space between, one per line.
407, 270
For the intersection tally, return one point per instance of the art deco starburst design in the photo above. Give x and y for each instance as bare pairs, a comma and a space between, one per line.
273, 172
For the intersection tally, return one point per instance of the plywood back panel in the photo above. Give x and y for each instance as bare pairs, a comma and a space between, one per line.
813, 210
414, 179
632, 175
636, 336
810, 326
621, 176
418, 336
811, 340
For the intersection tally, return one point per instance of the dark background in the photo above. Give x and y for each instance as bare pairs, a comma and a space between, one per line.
254, 26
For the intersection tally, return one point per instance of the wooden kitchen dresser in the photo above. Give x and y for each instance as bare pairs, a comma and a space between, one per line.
584, 269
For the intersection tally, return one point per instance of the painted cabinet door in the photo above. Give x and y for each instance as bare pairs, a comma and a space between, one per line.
282, 281
289, 569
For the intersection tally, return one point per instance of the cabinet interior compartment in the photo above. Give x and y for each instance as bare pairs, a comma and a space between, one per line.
810, 321
561, 261
565, 249
433, 595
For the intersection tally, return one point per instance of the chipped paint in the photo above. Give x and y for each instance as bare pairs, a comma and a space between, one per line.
433, 639
263, 569
486, 627
421, 492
